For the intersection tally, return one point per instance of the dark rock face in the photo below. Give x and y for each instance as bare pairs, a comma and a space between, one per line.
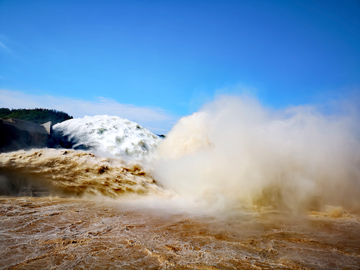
18, 134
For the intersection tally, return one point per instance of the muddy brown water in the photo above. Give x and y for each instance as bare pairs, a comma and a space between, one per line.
63, 233
128, 222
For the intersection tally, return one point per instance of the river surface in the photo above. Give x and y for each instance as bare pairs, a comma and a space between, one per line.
65, 233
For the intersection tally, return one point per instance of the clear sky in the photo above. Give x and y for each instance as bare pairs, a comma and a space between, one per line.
164, 59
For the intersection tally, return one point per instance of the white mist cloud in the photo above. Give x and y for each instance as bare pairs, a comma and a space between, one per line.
155, 119
235, 151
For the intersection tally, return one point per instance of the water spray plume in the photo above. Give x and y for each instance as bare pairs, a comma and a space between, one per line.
236, 152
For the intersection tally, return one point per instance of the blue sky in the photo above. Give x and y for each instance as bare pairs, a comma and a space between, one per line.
169, 57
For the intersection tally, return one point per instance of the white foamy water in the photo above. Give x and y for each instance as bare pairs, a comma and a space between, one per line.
110, 135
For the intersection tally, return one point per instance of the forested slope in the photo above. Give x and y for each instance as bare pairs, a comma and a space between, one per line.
38, 115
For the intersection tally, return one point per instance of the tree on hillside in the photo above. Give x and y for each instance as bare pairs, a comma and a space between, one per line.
37, 115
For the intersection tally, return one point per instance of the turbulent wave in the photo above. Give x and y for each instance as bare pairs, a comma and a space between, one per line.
236, 152
233, 152
109, 135
74, 173
220, 163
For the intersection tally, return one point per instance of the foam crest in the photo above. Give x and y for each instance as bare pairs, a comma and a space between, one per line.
109, 135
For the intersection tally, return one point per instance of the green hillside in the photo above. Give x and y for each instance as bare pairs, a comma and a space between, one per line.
38, 116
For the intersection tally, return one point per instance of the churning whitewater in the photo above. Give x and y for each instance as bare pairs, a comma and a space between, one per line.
233, 186
233, 152
125, 146
110, 135
73, 173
